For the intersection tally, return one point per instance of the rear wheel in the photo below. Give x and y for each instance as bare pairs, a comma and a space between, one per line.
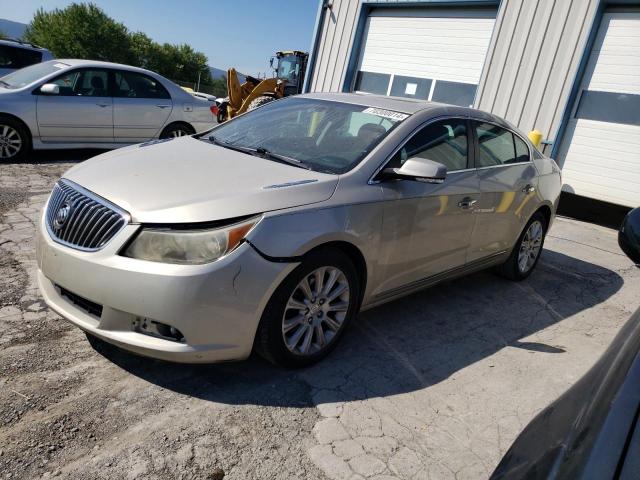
15, 141
309, 311
258, 102
177, 130
526, 252
222, 112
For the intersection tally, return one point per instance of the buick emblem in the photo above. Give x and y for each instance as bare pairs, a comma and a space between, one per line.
61, 216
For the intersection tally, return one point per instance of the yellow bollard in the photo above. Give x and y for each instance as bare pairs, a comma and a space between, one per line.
536, 137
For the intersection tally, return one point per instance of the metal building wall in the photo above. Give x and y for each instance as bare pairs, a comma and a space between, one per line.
533, 59
531, 69
338, 30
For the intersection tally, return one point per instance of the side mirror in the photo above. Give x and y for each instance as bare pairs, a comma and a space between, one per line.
419, 169
50, 89
271, 60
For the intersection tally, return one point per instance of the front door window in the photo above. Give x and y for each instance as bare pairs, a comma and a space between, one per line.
444, 142
83, 83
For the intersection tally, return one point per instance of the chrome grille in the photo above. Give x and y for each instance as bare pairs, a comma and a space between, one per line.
80, 219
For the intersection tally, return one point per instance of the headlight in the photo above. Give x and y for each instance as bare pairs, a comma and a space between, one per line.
188, 247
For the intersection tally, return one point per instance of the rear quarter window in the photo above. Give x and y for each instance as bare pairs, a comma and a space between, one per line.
498, 146
522, 150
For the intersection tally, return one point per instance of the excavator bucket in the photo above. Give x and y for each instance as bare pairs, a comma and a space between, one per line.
234, 89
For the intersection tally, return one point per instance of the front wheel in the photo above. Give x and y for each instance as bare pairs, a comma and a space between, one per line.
526, 252
15, 142
309, 311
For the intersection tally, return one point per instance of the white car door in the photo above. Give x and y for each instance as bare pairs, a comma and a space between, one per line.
141, 107
82, 110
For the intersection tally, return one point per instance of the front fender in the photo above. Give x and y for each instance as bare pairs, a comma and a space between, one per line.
291, 235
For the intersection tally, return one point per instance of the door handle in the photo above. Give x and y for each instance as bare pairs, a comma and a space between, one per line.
467, 203
103, 104
163, 106
529, 189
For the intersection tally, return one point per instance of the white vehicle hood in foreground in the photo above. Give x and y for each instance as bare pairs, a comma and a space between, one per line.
190, 180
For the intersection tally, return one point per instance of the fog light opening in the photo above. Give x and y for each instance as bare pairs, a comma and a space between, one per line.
157, 329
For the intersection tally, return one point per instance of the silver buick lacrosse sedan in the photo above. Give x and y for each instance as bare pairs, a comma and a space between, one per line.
271, 231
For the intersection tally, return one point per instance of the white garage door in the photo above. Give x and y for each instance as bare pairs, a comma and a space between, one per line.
429, 54
600, 151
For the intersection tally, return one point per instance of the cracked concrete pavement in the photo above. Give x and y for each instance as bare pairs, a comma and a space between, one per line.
435, 385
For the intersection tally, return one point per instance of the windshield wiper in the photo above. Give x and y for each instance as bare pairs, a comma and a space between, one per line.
260, 152
231, 146
5, 83
263, 152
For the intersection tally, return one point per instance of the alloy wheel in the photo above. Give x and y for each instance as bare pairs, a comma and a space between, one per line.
178, 133
315, 311
10, 141
530, 246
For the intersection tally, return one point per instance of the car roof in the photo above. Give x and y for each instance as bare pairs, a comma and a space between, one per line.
398, 104
75, 62
410, 106
12, 42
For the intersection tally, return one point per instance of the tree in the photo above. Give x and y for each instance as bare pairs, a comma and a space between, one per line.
146, 53
81, 30
218, 87
183, 63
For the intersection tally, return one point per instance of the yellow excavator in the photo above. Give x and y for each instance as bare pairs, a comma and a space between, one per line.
289, 75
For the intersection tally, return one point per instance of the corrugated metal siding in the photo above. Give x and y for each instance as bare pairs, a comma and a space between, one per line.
529, 71
339, 27
538, 48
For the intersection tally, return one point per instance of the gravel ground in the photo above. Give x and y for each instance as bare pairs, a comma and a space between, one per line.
436, 385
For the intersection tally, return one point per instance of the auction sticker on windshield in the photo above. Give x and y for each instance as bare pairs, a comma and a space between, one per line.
380, 112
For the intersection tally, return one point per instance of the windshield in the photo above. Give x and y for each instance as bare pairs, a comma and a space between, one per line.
28, 75
323, 135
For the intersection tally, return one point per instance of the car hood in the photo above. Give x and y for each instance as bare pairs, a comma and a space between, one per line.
189, 180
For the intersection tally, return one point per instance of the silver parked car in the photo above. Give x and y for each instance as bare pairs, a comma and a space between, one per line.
88, 104
273, 230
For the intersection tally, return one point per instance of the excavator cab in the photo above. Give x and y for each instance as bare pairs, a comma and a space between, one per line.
291, 68
288, 80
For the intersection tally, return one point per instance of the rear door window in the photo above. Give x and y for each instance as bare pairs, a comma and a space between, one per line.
137, 85
498, 146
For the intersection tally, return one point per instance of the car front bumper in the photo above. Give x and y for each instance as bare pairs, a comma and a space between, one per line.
217, 306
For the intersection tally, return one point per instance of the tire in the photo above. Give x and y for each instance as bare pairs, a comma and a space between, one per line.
222, 115
258, 102
177, 130
222, 110
515, 268
297, 347
15, 141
